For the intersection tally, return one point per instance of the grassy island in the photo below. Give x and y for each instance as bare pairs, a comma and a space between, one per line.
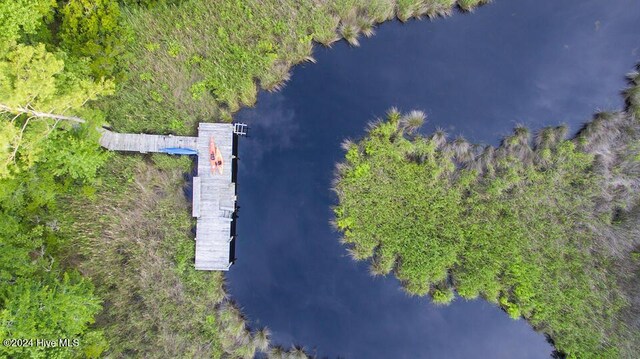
546, 227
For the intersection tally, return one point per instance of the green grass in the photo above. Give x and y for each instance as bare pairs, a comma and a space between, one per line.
202, 60
546, 229
133, 239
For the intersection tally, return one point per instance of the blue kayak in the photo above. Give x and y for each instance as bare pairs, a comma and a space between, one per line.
178, 151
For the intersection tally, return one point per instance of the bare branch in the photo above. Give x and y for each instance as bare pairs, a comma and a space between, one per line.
18, 140
23, 110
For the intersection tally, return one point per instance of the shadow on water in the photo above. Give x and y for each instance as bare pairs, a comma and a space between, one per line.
520, 61
187, 190
234, 179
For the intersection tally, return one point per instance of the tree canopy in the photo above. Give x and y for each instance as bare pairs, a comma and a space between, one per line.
46, 151
20, 18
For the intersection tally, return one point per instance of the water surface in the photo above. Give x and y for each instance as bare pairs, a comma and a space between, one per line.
515, 61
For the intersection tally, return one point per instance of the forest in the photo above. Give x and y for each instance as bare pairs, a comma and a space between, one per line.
544, 226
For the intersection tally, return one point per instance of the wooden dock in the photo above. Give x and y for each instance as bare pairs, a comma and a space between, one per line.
144, 143
214, 202
214, 194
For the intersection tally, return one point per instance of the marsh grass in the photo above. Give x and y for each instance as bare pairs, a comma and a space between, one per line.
262, 338
544, 226
190, 61
412, 121
196, 60
439, 138
139, 253
462, 150
350, 33
277, 352
632, 94
297, 352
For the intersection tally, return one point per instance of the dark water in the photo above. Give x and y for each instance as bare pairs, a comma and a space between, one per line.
515, 61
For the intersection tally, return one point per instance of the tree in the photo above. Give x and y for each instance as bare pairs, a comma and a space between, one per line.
46, 150
90, 28
38, 297
36, 86
20, 17
35, 80
50, 310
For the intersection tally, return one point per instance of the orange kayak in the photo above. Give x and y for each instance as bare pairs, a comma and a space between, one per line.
215, 157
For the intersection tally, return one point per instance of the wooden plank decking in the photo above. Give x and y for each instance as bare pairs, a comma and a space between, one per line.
195, 209
217, 193
214, 194
144, 143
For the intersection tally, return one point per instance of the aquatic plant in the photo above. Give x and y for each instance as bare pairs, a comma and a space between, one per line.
412, 121
297, 352
366, 26
261, 339
438, 8
470, 5
439, 138
632, 94
350, 33
277, 352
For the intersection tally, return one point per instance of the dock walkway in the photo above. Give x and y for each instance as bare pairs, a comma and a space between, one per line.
214, 194
144, 143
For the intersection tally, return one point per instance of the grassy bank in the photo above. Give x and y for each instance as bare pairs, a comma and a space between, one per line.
133, 238
543, 226
196, 60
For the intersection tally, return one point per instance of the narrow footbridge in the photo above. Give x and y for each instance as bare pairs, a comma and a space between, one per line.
214, 189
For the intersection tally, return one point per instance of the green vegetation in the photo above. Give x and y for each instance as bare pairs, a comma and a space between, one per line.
45, 153
105, 238
545, 228
63, 212
185, 62
138, 250
189, 61
548, 231
41, 296
91, 29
